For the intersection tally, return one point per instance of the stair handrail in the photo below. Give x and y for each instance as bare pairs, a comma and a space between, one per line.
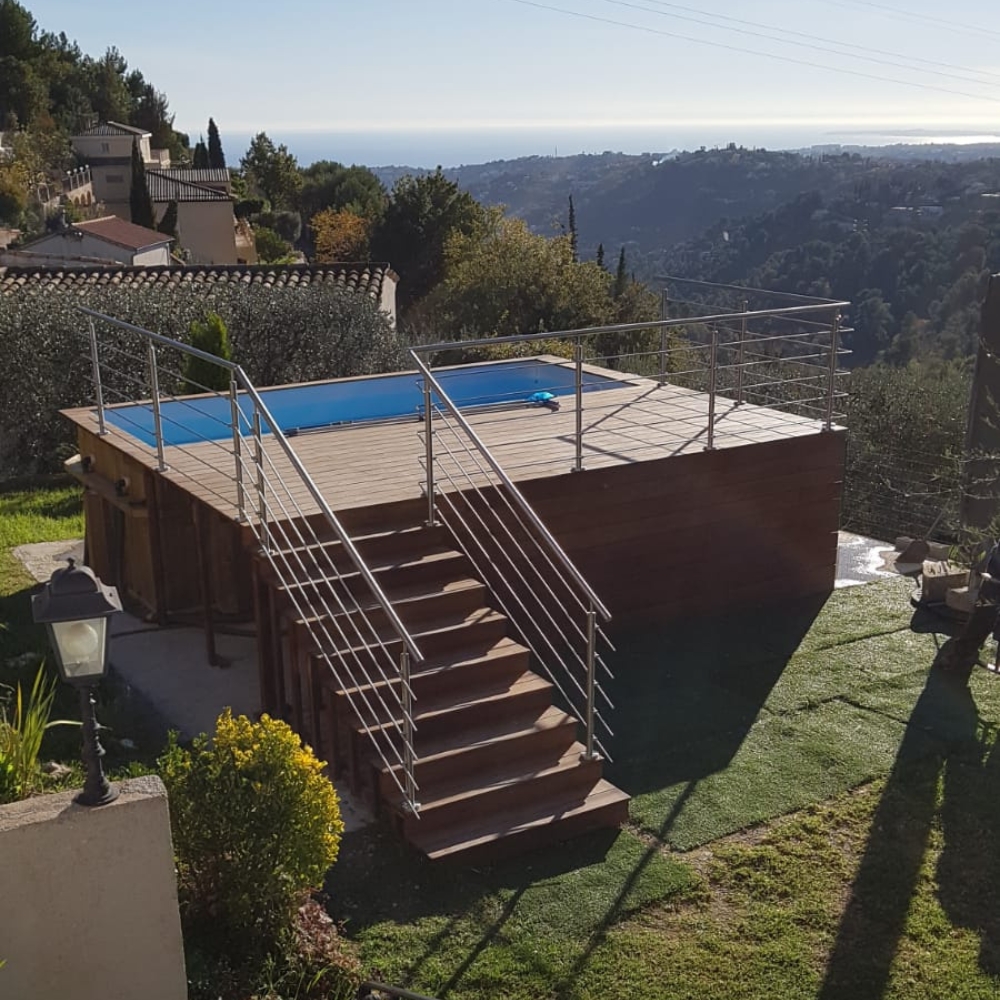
278, 435
522, 503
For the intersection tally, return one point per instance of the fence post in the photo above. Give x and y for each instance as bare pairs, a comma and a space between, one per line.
429, 452
590, 753
409, 758
831, 385
234, 409
95, 364
742, 356
578, 360
712, 374
664, 314
258, 448
154, 386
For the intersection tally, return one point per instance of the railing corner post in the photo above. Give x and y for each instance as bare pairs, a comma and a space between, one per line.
258, 457
429, 452
578, 363
741, 358
590, 753
831, 386
95, 364
409, 757
234, 407
154, 390
713, 371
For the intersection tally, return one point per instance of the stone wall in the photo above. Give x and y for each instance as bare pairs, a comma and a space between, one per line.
90, 899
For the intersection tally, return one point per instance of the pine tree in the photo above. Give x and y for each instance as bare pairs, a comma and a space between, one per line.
201, 157
621, 277
600, 256
168, 224
573, 237
140, 203
216, 158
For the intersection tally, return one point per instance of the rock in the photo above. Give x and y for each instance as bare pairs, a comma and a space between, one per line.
902, 543
961, 599
55, 770
938, 577
915, 552
938, 551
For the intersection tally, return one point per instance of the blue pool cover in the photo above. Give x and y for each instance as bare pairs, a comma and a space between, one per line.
327, 404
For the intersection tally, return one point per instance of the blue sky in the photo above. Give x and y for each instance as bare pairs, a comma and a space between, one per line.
408, 65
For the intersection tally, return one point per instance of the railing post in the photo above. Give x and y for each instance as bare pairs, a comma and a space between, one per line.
258, 457
95, 364
664, 337
409, 757
712, 375
590, 752
429, 452
234, 409
831, 386
154, 387
741, 357
578, 359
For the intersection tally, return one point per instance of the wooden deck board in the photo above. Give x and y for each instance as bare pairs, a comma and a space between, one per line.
381, 463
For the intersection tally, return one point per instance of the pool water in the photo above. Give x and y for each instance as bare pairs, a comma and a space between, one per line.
316, 405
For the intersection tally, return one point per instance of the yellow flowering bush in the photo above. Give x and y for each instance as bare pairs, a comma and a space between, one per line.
255, 826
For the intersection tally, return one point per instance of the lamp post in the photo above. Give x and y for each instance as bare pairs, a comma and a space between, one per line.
75, 607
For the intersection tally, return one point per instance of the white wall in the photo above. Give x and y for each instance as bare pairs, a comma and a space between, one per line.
81, 245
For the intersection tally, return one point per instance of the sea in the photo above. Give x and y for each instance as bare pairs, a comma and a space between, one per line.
455, 147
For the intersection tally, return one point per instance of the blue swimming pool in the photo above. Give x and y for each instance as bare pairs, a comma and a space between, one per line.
315, 405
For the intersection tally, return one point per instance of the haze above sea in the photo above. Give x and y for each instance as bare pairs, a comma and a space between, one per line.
454, 147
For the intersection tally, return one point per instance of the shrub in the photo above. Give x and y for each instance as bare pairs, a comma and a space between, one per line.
212, 337
21, 733
255, 825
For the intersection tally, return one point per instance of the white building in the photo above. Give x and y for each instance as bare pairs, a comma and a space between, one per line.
104, 241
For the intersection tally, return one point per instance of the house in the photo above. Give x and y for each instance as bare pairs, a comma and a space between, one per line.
207, 227
216, 178
107, 149
101, 242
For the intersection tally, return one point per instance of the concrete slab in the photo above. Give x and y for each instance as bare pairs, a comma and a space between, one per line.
861, 560
169, 669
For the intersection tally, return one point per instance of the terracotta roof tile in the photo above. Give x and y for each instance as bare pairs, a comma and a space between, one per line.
366, 278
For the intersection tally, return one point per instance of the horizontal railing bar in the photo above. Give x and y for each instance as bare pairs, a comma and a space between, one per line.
526, 508
619, 328
159, 338
745, 289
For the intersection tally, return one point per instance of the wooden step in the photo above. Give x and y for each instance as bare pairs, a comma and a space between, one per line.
414, 605
383, 542
391, 571
472, 752
436, 717
457, 670
513, 784
524, 828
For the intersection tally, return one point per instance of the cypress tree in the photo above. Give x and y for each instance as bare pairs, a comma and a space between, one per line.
216, 158
168, 224
212, 337
201, 158
573, 238
621, 277
600, 256
140, 203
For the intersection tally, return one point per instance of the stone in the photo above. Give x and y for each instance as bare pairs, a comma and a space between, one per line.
937, 577
962, 599
55, 770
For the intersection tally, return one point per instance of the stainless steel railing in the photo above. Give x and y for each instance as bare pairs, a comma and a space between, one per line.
337, 605
536, 584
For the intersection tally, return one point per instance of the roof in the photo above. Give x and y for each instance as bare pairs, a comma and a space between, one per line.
114, 128
163, 187
211, 175
122, 233
364, 278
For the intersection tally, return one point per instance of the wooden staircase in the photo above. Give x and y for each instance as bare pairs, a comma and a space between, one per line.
499, 766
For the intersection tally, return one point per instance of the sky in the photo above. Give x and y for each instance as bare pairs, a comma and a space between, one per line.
462, 71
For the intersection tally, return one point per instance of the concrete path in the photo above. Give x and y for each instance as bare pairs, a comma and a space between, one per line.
169, 669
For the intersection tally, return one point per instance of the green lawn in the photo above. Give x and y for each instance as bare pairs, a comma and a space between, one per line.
814, 815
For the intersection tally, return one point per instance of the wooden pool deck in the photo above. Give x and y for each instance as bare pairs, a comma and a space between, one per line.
369, 465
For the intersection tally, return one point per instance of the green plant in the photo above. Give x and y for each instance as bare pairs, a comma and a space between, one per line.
255, 824
211, 337
21, 735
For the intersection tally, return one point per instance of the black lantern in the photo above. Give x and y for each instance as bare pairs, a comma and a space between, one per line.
75, 607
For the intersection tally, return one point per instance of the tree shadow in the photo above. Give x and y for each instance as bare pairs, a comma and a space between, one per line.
943, 739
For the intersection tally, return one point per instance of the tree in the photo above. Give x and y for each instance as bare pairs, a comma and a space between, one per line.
168, 224
332, 185
621, 277
140, 203
271, 248
110, 97
573, 235
200, 159
423, 212
600, 256
211, 336
272, 170
340, 236
216, 158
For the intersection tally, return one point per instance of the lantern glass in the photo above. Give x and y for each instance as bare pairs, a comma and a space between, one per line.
81, 648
